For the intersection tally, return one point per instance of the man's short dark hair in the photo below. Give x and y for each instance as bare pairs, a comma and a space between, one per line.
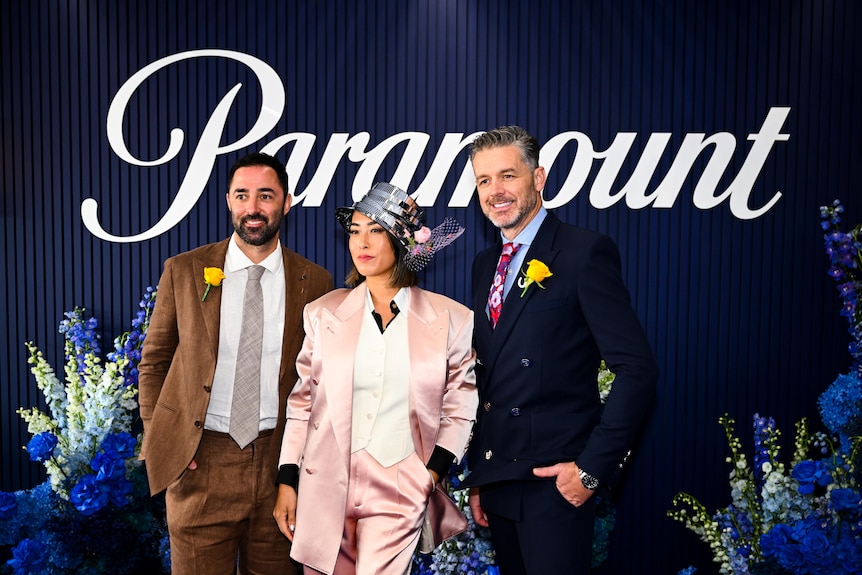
260, 159
509, 136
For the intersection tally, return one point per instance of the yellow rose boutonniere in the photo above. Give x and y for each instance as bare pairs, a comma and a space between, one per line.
536, 273
212, 277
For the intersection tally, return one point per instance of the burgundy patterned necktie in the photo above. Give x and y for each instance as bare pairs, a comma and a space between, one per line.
495, 298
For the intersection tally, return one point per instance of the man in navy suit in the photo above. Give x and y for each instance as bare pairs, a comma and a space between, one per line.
543, 441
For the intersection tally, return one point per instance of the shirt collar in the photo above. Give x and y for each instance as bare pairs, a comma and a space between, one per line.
528, 234
401, 299
235, 260
398, 303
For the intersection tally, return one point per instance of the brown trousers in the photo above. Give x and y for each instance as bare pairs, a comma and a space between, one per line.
220, 514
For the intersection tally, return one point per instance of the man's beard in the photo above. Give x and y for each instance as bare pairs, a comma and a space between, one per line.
517, 219
259, 236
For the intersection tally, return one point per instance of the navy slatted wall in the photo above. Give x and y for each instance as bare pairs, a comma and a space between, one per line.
740, 312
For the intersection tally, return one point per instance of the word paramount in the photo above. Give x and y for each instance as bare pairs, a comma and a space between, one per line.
715, 152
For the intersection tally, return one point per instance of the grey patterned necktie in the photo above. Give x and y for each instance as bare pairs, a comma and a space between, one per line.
245, 406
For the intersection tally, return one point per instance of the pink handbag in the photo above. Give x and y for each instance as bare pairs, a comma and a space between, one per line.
443, 520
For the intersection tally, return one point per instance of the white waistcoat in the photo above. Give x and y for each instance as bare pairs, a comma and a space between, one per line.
381, 384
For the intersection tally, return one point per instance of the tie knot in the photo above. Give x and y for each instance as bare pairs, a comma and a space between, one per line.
254, 273
510, 249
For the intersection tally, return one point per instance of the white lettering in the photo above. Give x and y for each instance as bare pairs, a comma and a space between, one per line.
201, 164
412, 146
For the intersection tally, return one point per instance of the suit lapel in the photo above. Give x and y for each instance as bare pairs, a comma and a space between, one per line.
514, 305
427, 337
339, 332
295, 273
211, 307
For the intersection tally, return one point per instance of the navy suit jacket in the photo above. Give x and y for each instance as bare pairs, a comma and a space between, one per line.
536, 372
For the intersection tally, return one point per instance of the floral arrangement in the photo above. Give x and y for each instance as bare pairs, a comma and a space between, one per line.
807, 520
93, 514
537, 272
471, 552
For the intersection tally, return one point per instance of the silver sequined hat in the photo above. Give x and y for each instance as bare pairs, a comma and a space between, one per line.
401, 216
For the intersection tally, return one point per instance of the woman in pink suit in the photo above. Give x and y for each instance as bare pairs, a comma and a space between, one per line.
385, 400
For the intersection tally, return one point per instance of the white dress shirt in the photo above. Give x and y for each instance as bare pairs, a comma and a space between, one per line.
236, 266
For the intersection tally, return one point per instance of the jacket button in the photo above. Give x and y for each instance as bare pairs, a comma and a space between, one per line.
526, 362
516, 411
198, 424
487, 406
208, 389
488, 454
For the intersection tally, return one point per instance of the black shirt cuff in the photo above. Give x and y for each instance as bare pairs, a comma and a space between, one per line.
288, 474
441, 460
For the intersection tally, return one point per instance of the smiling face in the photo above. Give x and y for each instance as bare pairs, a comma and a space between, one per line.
257, 205
510, 194
371, 248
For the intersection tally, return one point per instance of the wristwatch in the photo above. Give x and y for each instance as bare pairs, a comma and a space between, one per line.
588, 480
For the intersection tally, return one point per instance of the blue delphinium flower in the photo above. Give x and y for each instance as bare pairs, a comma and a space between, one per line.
82, 339
844, 251
765, 445
128, 346
29, 556
41, 446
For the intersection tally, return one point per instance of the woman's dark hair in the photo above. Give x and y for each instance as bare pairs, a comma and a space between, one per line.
402, 276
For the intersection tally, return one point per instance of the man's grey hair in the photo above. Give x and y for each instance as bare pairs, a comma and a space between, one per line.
509, 136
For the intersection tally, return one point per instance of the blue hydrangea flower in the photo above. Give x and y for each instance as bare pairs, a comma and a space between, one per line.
8, 505
841, 404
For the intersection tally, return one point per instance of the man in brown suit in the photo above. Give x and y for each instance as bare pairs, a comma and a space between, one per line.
220, 480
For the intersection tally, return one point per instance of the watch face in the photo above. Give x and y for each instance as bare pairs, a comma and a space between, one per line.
588, 480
